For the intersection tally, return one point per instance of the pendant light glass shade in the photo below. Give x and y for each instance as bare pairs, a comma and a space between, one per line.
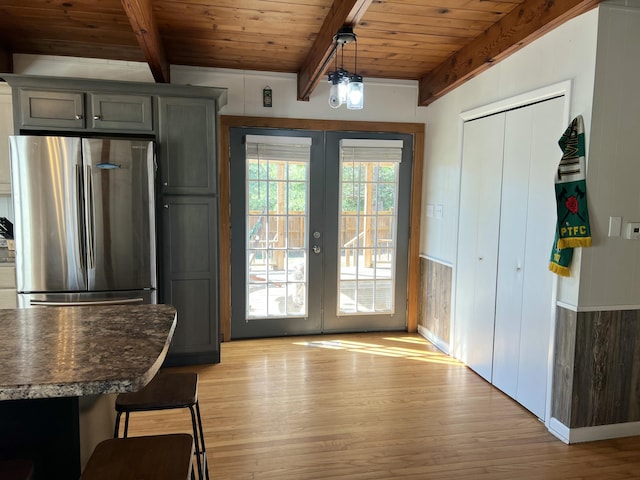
334, 92
355, 94
343, 89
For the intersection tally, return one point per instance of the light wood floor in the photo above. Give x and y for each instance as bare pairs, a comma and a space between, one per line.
373, 406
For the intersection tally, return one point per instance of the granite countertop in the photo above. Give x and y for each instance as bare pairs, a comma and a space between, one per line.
74, 351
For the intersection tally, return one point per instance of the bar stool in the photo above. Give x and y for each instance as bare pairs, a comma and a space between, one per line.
164, 392
159, 457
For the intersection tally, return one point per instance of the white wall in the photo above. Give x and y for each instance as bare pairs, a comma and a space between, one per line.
6, 128
566, 53
610, 276
81, 68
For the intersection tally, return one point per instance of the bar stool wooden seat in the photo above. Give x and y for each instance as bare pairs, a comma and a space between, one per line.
167, 391
159, 457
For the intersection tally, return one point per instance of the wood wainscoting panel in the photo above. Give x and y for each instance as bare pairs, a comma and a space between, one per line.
562, 385
606, 367
434, 309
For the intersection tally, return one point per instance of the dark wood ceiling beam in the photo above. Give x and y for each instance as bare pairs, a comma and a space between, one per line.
527, 22
342, 12
6, 60
140, 16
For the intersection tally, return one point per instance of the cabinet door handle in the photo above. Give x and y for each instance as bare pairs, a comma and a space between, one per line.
78, 117
166, 206
166, 184
97, 117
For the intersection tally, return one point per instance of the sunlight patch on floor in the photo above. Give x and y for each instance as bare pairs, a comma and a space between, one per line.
385, 350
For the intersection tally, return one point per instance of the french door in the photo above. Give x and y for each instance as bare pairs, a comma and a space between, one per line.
320, 229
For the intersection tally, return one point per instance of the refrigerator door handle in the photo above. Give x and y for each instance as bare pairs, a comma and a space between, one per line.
81, 220
120, 301
90, 219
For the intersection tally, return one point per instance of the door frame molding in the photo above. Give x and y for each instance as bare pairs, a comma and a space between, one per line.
228, 121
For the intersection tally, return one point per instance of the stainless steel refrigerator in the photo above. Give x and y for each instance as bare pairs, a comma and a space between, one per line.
84, 220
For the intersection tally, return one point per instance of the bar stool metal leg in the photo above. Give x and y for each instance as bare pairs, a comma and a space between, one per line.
116, 430
196, 441
203, 449
126, 425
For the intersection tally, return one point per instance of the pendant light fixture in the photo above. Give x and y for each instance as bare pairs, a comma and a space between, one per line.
345, 87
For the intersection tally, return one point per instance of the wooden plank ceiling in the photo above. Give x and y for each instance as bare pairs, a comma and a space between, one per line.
440, 43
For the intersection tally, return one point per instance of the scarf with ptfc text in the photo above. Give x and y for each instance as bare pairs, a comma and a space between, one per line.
572, 226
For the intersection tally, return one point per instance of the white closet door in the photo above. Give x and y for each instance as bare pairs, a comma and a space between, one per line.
511, 262
537, 310
478, 241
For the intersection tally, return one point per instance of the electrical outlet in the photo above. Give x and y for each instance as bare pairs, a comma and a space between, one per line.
633, 231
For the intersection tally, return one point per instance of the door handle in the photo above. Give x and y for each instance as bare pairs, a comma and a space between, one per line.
82, 241
316, 249
90, 218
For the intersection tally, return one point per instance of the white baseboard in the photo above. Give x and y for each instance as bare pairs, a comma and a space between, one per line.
437, 341
559, 430
591, 434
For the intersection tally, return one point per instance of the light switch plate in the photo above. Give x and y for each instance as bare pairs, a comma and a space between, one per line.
429, 209
615, 226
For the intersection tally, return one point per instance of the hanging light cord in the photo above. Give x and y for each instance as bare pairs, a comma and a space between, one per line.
355, 61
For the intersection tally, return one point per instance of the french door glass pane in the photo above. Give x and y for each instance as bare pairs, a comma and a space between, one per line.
277, 226
368, 224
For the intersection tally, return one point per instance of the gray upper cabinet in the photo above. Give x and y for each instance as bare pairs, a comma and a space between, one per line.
79, 110
121, 112
187, 139
41, 108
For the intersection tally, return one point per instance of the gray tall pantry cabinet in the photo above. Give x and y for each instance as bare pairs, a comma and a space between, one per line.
190, 221
182, 121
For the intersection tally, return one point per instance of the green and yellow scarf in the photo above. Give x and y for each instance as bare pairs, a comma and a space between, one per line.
572, 226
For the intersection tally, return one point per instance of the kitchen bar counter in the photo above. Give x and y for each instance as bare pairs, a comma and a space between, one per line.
54, 357
75, 351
